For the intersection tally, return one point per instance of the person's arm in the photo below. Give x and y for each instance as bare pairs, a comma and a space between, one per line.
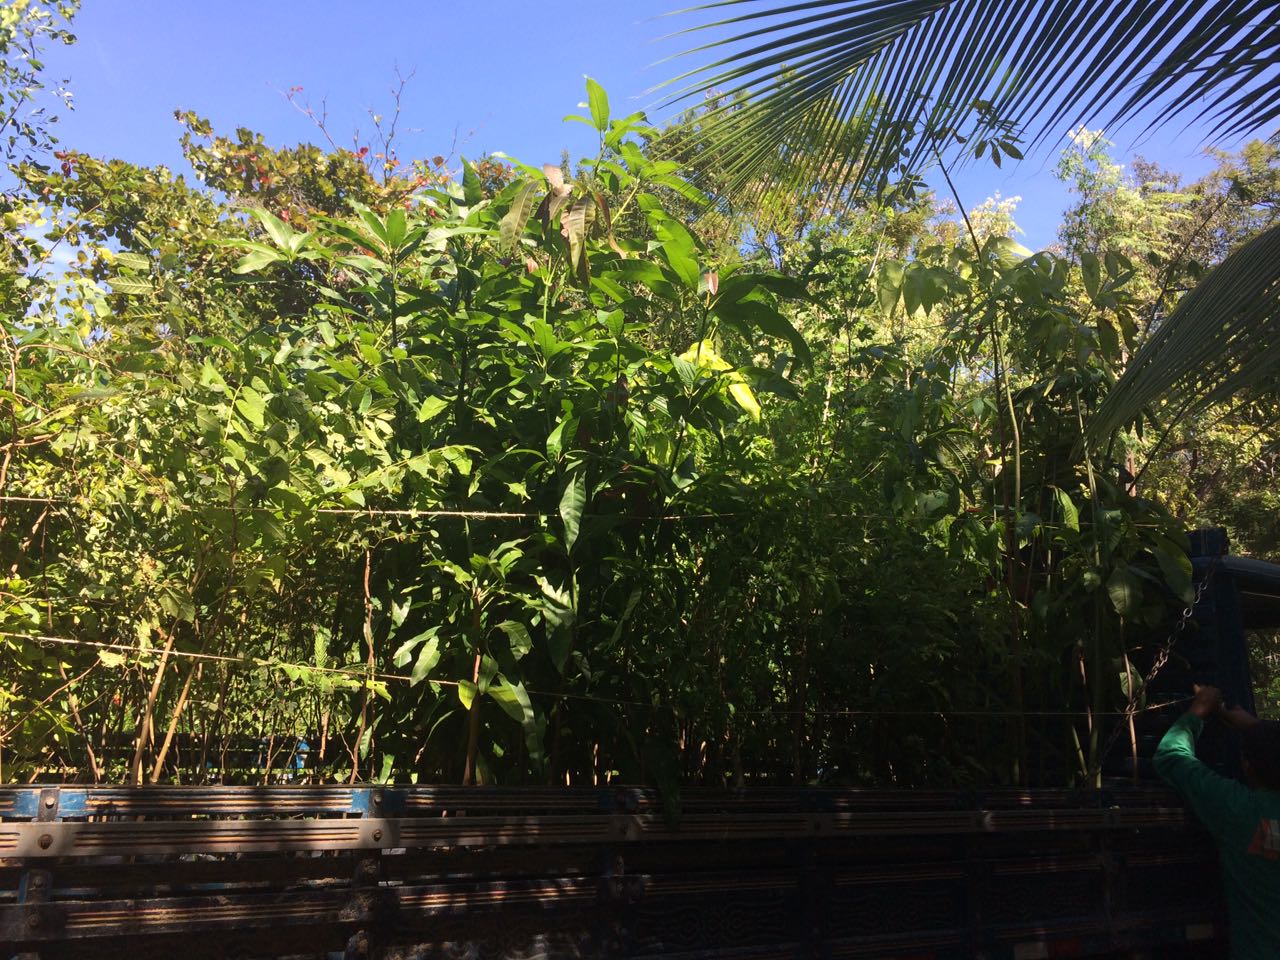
1214, 799
1237, 717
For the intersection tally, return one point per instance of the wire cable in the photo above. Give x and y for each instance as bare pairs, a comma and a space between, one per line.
359, 674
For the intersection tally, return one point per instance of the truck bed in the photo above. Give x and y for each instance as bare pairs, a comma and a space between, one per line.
602, 872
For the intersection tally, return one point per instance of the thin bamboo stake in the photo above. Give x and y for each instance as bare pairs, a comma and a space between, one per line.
144, 723
163, 752
364, 700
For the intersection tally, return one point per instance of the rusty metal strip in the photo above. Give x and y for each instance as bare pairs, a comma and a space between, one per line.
83, 920
35, 839
124, 838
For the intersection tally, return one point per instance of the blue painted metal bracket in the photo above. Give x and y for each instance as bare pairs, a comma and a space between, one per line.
23, 803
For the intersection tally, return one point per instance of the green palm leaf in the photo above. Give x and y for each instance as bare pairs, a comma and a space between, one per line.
1223, 337
840, 95
903, 73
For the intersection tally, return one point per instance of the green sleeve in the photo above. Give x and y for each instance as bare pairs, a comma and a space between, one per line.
1215, 800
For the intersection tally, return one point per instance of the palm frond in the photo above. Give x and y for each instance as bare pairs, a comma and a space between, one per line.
1222, 338
906, 72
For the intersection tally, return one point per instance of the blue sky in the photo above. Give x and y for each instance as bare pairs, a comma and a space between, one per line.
498, 76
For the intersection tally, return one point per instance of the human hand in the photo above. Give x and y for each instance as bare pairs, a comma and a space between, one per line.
1207, 702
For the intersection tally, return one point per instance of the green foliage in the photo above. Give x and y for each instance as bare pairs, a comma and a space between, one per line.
516, 477
26, 27
246, 459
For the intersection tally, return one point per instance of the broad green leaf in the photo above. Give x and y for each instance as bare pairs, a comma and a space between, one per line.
1067, 508
466, 693
745, 398
134, 261
769, 321
572, 503
513, 223
559, 643
513, 698
472, 188
649, 274
1006, 251
252, 405
397, 227
300, 240
279, 231
431, 408
458, 457
177, 604
488, 671
405, 651
132, 286
505, 695
256, 260
1125, 589
704, 356
889, 286
398, 610
427, 659
686, 371
1091, 272
598, 100
680, 252
573, 227
374, 223
556, 603
1177, 570
562, 434
518, 638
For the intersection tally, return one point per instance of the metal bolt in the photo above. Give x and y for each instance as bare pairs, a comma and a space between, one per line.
37, 881
33, 921
49, 801
46, 841
377, 835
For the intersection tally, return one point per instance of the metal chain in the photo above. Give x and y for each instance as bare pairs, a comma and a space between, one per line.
1161, 659
1162, 656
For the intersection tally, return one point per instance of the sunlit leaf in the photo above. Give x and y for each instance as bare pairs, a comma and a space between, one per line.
598, 100
572, 503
